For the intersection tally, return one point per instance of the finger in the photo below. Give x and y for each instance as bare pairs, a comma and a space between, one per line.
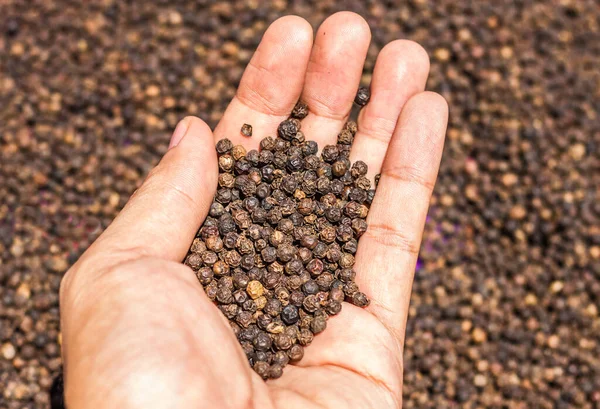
400, 72
333, 75
271, 84
387, 252
163, 215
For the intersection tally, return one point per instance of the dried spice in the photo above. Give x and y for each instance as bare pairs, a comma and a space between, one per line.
246, 130
270, 251
512, 218
363, 95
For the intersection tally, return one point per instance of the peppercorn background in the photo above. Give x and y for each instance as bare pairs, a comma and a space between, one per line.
505, 310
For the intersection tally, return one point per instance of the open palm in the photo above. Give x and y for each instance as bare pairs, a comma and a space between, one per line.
138, 330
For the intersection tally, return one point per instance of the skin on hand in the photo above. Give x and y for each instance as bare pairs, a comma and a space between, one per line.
138, 330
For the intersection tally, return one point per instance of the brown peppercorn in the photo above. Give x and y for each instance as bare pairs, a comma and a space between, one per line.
246, 130
209, 258
275, 371
280, 358
330, 153
282, 294
244, 318
275, 327
346, 260
285, 252
214, 243
263, 321
226, 180
345, 137
194, 261
318, 324
226, 163
283, 342
315, 267
220, 268
273, 307
311, 303
359, 299
262, 342
205, 275
223, 146
295, 353
260, 302
224, 295
305, 337
238, 152
340, 167
333, 307
232, 258
336, 294
255, 289
262, 369
358, 169
240, 296
287, 129
300, 111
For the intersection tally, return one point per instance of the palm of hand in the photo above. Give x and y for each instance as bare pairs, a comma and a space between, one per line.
139, 331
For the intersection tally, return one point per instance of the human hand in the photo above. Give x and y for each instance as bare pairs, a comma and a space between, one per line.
138, 330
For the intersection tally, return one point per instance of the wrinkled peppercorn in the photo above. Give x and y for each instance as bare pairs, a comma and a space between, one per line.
246, 130
362, 96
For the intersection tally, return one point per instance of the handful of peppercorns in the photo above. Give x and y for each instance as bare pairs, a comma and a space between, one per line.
277, 249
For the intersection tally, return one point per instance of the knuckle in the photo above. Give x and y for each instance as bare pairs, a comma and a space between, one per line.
378, 128
256, 100
161, 181
390, 236
333, 106
417, 53
408, 174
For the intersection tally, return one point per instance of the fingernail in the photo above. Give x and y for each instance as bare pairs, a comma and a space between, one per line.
179, 132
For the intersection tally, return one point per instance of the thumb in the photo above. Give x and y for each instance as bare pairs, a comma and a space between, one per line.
163, 215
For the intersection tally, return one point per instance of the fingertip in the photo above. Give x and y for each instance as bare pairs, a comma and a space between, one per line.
196, 147
430, 105
408, 53
354, 26
295, 27
419, 136
198, 127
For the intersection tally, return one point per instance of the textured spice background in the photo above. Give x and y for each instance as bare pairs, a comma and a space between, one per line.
505, 310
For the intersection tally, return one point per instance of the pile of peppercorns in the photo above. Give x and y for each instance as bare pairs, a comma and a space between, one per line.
277, 249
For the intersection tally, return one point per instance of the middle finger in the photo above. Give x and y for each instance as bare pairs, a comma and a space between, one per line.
333, 75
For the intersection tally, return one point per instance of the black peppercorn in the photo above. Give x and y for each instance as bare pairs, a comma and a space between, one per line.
287, 130
289, 314
362, 96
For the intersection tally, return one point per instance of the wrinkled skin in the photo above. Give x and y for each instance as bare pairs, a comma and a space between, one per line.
138, 330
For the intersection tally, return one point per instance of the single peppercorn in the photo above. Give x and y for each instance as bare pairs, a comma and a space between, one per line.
362, 96
300, 111
295, 353
223, 146
287, 129
289, 314
246, 130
